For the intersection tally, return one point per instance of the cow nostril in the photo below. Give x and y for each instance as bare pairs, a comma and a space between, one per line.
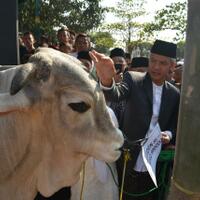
121, 149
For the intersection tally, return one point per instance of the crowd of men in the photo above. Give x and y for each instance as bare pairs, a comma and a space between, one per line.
143, 92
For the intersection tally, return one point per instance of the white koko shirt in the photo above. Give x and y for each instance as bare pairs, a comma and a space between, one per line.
157, 93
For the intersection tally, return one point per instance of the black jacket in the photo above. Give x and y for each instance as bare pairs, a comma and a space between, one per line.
136, 89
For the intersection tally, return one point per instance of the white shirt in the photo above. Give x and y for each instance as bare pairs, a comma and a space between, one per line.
157, 93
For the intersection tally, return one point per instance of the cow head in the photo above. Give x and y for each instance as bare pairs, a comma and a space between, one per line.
66, 118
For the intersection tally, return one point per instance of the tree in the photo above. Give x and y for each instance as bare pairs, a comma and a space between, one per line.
139, 48
186, 181
103, 41
78, 15
127, 27
172, 17
180, 49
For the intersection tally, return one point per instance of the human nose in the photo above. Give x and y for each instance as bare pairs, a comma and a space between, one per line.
156, 65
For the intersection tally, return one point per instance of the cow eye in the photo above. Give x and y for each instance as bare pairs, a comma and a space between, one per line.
80, 107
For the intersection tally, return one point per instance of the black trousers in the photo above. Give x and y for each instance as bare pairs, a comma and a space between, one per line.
137, 187
62, 194
135, 182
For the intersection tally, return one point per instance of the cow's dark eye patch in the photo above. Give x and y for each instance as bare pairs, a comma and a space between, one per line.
80, 107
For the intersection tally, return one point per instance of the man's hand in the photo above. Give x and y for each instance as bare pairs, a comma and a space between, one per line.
165, 139
104, 67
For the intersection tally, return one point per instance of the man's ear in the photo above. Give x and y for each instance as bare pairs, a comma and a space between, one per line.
172, 67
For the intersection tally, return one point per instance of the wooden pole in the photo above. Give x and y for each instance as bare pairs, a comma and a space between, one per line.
186, 175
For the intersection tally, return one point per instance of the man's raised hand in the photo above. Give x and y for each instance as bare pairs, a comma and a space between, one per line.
104, 67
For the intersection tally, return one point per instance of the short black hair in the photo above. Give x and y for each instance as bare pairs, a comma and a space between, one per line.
28, 33
117, 52
79, 35
84, 55
62, 29
139, 62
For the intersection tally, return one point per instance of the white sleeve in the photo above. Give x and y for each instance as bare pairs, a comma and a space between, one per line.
113, 117
169, 133
107, 88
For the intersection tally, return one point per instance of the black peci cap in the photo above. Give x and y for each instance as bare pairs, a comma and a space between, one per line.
164, 48
139, 62
117, 52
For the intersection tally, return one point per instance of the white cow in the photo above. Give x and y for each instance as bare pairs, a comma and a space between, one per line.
98, 180
52, 118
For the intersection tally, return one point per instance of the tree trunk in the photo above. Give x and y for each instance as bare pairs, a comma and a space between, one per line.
186, 174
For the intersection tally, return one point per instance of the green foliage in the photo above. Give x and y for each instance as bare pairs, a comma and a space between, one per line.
103, 41
180, 49
128, 9
173, 17
78, 15
139, 47
127, 27
21, 1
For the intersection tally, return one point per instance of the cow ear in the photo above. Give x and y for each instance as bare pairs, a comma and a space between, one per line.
21, 77
29, 72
